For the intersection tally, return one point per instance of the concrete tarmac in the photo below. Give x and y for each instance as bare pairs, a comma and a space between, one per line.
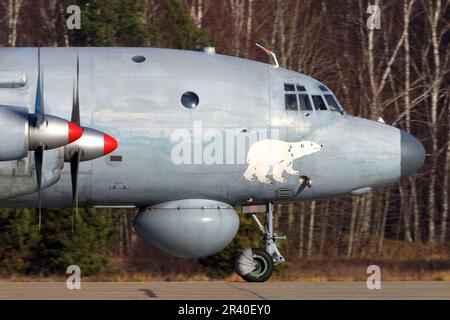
226, 290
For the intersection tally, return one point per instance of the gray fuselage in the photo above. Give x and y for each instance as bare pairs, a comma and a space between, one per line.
139, 104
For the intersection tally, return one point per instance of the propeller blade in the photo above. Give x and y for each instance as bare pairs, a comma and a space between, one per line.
76, 98
38, 161
74, 165
76, 157
39, 102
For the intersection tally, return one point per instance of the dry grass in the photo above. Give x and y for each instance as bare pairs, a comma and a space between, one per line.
399, 261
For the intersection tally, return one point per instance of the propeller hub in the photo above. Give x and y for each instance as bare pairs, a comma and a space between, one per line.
54, 132
110, 144
75, 132
93, 144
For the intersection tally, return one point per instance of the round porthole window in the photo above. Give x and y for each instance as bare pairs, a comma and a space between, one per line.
138, 59
190, 100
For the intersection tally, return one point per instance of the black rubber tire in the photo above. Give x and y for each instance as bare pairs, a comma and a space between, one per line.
265, 269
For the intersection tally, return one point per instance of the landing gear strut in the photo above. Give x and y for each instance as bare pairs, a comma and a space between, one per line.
256, 265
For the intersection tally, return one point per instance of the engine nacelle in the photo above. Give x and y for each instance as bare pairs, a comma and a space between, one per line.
190, 228
19, 134
13, 133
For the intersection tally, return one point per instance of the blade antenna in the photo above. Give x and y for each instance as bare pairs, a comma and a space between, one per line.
271, 54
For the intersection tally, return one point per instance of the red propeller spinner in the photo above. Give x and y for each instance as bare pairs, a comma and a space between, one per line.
110, 144
75, 132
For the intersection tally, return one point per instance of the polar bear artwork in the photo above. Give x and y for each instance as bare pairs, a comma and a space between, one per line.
277, 154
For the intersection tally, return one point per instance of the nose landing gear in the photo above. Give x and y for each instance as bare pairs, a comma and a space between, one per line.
256, 265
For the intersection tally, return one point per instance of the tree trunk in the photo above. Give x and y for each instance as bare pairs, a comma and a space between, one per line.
291, 219
406, 211
14, 7
248, 32
383, 222
121, 236
434, 15
237, 12
311, 228
445, 184
415, 205
351, 237
324, 225
301, 233
378, 222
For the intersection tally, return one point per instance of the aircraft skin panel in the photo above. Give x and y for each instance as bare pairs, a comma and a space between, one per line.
239, 100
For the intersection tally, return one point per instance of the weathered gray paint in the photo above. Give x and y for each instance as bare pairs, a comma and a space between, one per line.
139, 105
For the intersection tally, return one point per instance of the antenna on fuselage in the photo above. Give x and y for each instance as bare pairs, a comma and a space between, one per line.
272, 55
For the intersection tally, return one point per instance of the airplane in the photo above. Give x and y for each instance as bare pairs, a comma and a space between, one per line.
187, 138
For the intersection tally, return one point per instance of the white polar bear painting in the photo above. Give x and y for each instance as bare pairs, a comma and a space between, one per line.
279, 155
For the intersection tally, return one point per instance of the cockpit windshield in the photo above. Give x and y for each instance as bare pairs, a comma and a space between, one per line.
298, 98
319, 104
332, 103
305, 104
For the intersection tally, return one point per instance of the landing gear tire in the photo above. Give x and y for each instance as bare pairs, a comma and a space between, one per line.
256, 265
259, 262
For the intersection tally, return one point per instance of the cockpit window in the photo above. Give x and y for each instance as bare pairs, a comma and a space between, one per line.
291, 102
300, 88
289, 87
332, 103
323, 88
319, 104
305, 103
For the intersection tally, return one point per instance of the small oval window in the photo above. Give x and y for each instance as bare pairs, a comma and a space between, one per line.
190, 100
138, 59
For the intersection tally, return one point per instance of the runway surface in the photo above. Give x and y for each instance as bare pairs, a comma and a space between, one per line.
226, 290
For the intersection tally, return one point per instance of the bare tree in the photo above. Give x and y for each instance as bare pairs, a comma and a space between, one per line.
198, 9
434, 12
237, 9
446, 182
13, 8
377, 77
311, 229
352, 231
301, 231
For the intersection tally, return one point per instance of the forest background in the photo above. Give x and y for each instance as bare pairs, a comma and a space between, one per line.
399, 72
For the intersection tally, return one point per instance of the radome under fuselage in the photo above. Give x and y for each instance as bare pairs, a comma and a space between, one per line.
139, 104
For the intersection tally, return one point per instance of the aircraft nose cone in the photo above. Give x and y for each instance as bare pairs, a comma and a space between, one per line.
412, 154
